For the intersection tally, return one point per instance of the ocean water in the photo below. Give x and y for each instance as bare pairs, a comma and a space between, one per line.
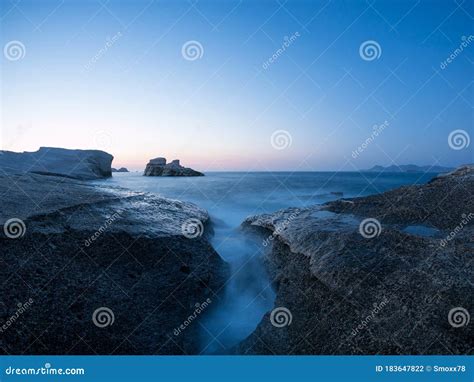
230, 197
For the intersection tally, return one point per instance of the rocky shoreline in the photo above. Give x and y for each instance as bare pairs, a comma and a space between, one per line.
96, 270
91, 269
352, 279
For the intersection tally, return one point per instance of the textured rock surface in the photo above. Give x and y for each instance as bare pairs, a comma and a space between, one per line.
158, 161
76, 164
440, 203
389, 294
121, 169
159, 167
87, 247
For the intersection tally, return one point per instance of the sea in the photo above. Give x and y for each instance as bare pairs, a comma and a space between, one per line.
229, 197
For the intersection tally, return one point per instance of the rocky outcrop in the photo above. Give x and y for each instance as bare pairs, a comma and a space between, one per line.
90, 269
159, 167
75, 164
439, 204
121, 169
410, 168
357, 278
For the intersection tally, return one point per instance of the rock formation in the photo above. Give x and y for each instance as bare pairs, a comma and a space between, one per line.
121, 169
412, 168
159, 167
76, 164
109, 271
355, 281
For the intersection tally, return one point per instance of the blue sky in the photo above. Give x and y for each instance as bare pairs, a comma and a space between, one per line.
112, 75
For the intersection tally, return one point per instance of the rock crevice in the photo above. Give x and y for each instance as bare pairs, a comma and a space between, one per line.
77, 249
355, 290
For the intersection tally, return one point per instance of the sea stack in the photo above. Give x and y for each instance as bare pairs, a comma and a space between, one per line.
121, 169
159, 167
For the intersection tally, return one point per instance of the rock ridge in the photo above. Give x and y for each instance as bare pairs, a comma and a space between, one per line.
357, 280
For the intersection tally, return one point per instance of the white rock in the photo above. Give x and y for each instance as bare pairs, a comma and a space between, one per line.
76, 164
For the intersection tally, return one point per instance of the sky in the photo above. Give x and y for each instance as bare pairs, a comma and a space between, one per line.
241, 85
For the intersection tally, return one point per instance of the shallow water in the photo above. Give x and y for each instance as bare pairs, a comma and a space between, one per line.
230, 197
422, 230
